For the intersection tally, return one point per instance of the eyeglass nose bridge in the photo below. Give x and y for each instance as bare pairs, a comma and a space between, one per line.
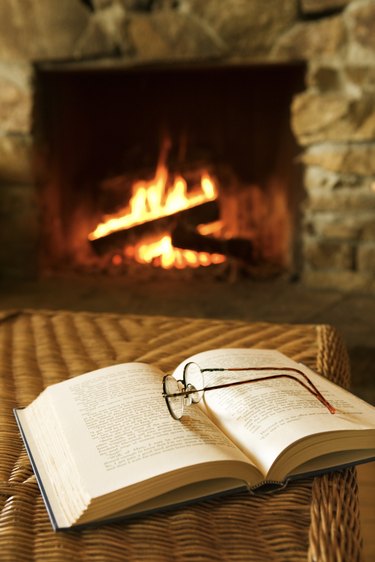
194, 394
188, 397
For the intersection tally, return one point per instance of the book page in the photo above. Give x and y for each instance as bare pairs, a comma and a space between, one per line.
265, 418
120, 431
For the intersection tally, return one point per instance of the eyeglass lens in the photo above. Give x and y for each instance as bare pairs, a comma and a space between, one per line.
175, 403
193, 379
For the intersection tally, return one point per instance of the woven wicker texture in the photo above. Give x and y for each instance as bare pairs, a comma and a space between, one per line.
314, 519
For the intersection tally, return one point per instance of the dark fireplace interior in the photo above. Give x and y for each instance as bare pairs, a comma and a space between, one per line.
102, 134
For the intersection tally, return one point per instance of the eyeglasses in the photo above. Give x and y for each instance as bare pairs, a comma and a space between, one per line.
181, 393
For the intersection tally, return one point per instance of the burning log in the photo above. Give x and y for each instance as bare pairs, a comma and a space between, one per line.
186, 238
115, 241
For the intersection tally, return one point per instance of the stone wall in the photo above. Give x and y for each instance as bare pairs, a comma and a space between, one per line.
333, 119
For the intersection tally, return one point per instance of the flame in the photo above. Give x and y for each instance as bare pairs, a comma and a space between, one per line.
153, 199
161, 252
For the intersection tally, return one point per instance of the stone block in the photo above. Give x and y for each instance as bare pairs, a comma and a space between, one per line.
360, 76
346, 159
15, 159
106, 33
341, 200
41, 30
333, 116
341, 229
16, 95
320, 178
328, 254
336, 226
312, 39
344, 225
169, 36
366, 257
360, 22
245, 28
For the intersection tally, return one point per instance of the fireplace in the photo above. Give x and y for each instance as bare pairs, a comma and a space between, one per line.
52, 197
168, 166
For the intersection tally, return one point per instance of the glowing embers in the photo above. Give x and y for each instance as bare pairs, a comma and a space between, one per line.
162, 253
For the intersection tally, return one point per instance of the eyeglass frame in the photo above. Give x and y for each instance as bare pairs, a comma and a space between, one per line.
186, 392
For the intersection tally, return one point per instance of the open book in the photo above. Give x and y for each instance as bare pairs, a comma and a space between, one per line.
104, 445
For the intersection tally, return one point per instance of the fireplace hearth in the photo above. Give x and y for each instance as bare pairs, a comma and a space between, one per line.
171, 167
90, 92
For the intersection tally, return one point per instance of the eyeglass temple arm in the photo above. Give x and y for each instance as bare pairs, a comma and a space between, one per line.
290, 369
315, 392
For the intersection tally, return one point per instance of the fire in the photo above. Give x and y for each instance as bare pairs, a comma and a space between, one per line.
161, 252
160, 197
153, 199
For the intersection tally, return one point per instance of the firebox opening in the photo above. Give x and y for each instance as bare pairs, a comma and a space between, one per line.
167, 167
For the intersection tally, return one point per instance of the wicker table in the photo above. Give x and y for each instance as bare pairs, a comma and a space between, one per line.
314, 519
